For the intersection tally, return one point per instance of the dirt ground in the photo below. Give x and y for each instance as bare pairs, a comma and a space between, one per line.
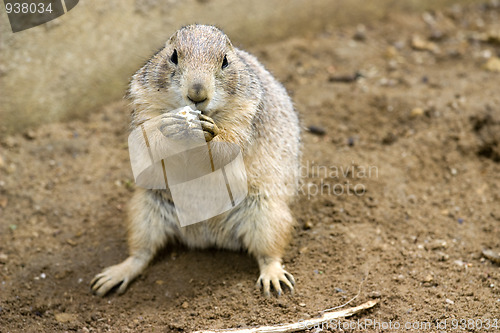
401, 193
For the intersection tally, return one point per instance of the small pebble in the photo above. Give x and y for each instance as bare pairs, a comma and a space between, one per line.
360, 34
281, 304
71, 242
416, 112
316, 130
461, 263
492, 37
449, 301
420, 44
428, 278
437, 35
11, 168
302, 304
185, 305
3, 201
399, 278
486, 54
412, 198
392, 65
429, 19
308, 225
391, 52
303, 249
30, 135
442, 256
43, 276
491, 255
460, 220
492, 65
3, 258
10, 142
390, 138
345, 78
437, 244
65, 317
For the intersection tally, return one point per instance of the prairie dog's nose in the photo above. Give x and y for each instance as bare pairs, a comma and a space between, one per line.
197, 93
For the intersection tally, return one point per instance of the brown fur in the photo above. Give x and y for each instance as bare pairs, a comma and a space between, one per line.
252, 110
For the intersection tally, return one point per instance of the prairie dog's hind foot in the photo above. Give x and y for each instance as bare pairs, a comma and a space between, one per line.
272, 275
118, 275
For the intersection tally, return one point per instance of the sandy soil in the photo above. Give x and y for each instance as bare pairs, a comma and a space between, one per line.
401, 192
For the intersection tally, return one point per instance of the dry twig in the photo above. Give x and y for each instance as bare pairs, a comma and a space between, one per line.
301, 325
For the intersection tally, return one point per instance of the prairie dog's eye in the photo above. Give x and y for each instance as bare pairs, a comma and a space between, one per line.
224, 62
173, 58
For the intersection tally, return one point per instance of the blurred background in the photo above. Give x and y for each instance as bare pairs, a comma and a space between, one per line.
83, 59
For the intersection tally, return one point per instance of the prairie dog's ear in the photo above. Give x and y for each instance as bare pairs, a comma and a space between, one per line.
229, 44
172, 39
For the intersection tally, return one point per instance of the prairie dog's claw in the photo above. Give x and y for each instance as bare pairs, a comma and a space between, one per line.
209, 127
118, 275
274, 276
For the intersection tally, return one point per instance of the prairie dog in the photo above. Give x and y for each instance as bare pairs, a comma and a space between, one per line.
241, 103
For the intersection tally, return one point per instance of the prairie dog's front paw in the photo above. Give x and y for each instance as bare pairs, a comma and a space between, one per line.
273, 276
210, 129
121, 274
178, 127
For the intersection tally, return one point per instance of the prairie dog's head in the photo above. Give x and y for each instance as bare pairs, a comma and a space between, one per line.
198, 65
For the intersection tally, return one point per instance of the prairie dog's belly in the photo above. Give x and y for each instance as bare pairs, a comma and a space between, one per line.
218, 232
